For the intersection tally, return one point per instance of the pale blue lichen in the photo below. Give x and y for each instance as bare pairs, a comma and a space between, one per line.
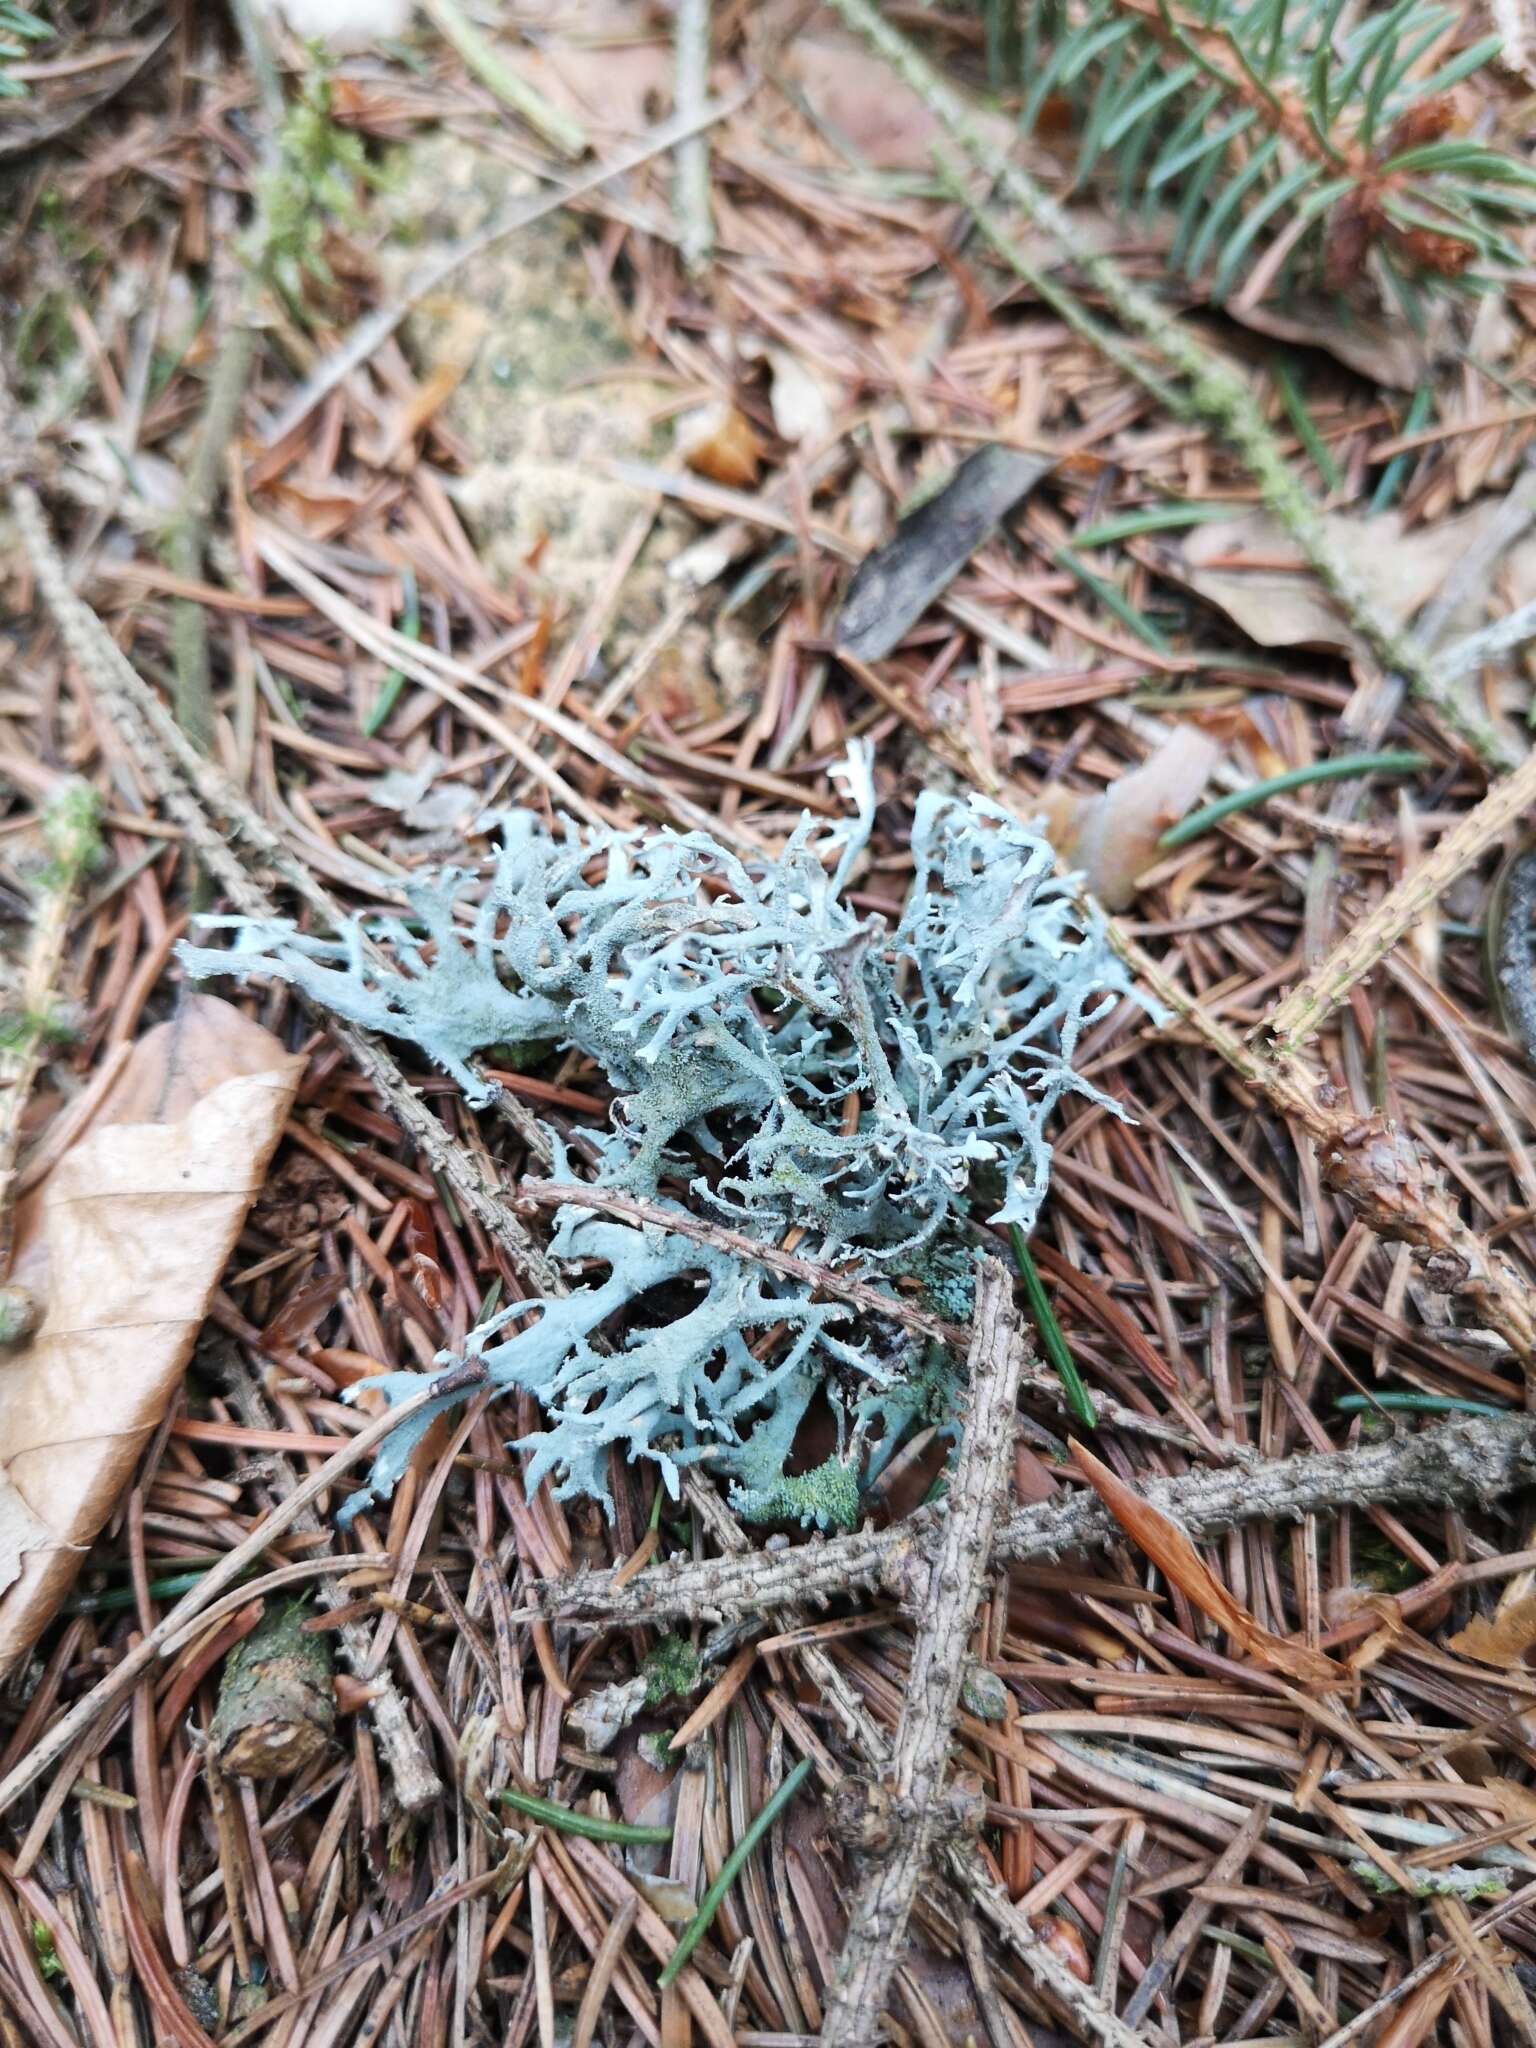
737, 1006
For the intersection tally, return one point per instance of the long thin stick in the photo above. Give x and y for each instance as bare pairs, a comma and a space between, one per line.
691, 34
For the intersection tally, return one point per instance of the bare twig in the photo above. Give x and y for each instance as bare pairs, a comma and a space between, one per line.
1463, 657
692, 72
1307, 1008
1472, 1461
416, 1783
877, 1922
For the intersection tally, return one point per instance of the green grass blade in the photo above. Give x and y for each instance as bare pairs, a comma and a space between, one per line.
1337, 770
710, 1904
1294, 400
1390, 482
1079, 1400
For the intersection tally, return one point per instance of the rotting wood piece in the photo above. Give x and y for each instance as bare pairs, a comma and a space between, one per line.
276, 1707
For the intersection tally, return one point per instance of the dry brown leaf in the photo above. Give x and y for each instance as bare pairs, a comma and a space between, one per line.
123, 1245
861, 101
1502, 1641
20, 1531
1160, 1538
1378, 345
1112, 837
1287, 606
719, 442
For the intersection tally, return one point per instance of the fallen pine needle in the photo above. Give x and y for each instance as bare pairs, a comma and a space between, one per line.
1393, 762
710, 1905
566, 1820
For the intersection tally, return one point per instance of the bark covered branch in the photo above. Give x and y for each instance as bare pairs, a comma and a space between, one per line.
1477, 1460
877, 1924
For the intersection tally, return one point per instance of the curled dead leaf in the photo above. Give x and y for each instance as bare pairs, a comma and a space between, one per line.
1160, 1538
1112, 837
719, 442
1504, 1640
124, 1243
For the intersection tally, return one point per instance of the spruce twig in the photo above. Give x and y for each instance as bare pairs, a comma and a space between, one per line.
1477, 1460
1208, 388
1291, 144
877, 1920
1308, 1007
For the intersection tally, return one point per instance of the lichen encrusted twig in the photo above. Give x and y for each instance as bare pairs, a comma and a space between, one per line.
1208, 388
1478, 1460
957, 1564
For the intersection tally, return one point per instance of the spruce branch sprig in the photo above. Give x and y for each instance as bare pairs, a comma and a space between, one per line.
1171, 360
1289, 143
19, 27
